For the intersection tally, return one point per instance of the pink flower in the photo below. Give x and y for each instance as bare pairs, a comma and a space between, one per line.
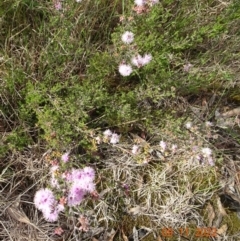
140, 61
65, 157
67, 175
89, 172
83, 179
107, 133
137, 61
60, 207
140, 2
135, 149
163, 145
86, 185
58, 5
81, 182
43, 199
54, 182
125, 69
51, 213
76, 174
128, 37
146, 59
115, 138
75, 195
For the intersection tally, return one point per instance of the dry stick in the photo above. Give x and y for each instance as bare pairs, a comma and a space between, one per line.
20, 216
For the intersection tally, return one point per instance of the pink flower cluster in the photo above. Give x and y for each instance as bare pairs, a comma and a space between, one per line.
138, 60
128, 37
58, 5
203, 156
45, 201
164, 146
207, 155
80, 183
73, 186
113, 137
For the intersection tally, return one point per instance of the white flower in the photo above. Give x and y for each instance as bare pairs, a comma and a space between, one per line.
137, 61
58, 5
107, 133
163, 145
125, 69
135, 149
188, 125
128, 37
139, 2
65, 157
78, 1
140, 61
207, 152
54, 182
146, 59
115, 138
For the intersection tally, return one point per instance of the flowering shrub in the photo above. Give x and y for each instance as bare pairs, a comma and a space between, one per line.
113, 138
128, 38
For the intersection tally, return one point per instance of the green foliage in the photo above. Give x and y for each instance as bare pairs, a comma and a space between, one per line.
17, 139
60, 67
175, 38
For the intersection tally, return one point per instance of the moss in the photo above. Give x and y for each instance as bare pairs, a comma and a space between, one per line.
202, 182
232, 221
129, 222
